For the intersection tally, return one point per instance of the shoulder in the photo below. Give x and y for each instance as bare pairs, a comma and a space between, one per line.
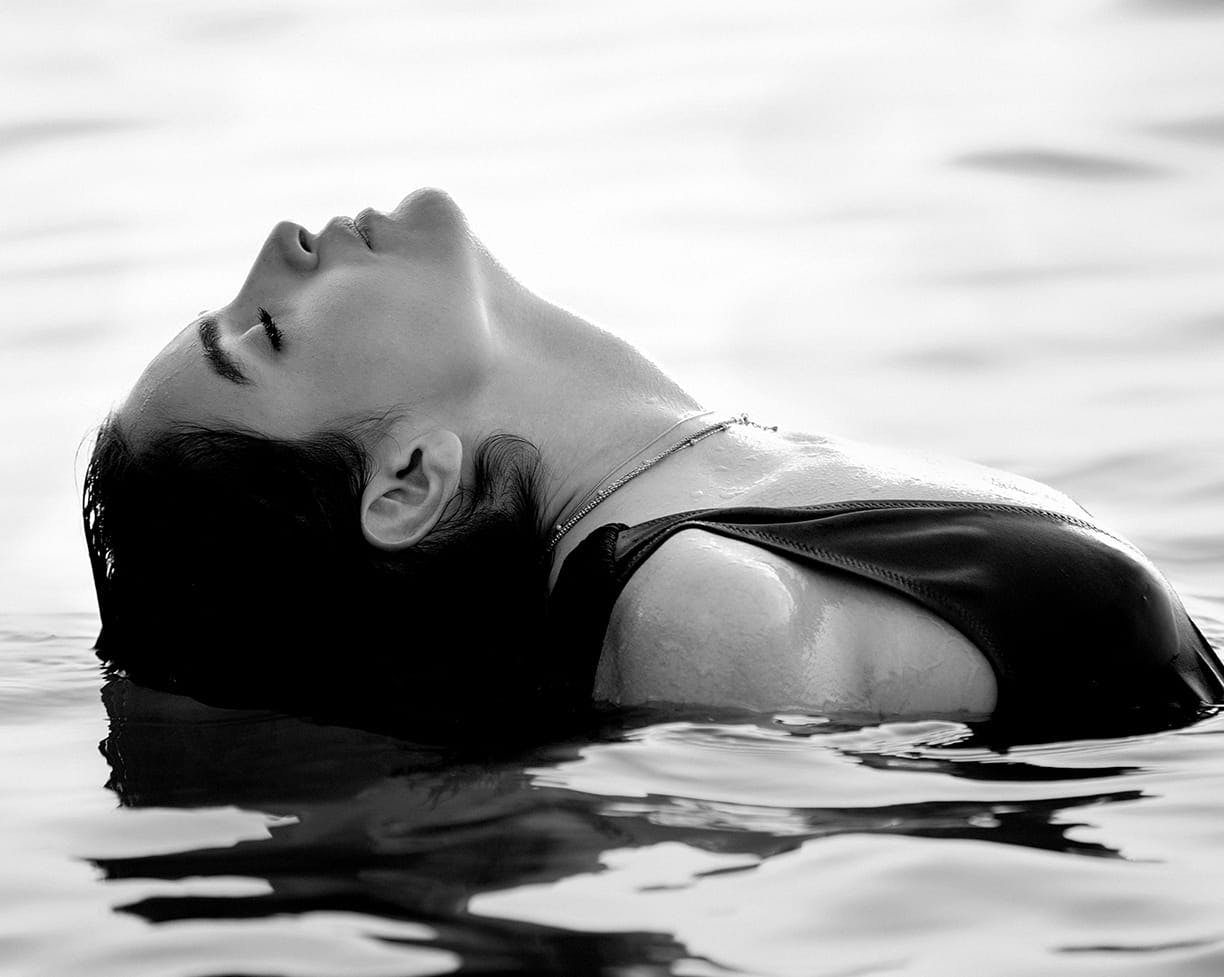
700, 570
712, 620
704, 615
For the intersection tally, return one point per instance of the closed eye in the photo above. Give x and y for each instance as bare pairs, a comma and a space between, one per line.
270, 327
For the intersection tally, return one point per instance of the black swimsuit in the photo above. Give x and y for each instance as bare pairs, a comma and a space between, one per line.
1079, 627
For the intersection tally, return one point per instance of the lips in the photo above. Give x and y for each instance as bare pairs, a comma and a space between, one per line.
357, 228
362, 224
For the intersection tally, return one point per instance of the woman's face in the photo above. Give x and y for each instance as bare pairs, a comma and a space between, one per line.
382, 312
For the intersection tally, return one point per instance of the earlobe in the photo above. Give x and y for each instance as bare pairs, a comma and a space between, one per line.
416, 474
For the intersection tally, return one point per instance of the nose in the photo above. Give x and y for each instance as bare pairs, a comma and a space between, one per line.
292, 245
289, 250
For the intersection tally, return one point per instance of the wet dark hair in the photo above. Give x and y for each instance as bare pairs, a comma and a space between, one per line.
232, 567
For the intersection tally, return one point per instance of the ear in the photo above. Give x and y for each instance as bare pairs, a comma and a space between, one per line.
416, 474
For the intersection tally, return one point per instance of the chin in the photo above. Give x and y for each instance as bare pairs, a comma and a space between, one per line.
429, 205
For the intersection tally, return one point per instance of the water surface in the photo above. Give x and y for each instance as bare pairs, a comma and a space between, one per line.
993, 230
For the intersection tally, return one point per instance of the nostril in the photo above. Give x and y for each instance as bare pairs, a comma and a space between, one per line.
304, 239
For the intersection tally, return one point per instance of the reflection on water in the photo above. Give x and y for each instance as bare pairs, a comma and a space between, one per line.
987, 229
372, 825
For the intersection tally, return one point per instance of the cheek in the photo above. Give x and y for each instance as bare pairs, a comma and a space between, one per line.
373, 343
380, 365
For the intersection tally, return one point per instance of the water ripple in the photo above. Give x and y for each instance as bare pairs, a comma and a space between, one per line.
1201, 129
1059, 164
22, 135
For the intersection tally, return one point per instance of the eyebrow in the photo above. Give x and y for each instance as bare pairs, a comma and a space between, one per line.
222, 363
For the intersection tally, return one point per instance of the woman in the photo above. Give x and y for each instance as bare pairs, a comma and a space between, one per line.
386, 470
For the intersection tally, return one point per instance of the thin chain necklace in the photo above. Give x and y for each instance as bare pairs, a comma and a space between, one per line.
599, 496
637, 453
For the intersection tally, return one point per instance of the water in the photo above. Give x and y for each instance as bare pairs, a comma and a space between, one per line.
990, 230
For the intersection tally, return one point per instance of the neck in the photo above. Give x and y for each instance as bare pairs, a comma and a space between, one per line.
585, 398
